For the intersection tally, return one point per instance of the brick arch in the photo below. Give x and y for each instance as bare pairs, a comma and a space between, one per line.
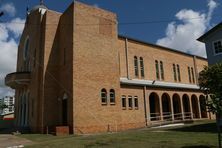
203, 108
177, 109
195, 106
186, 106
166, 105
154, 106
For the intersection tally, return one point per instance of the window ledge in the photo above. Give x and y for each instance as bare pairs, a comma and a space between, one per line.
123, 108
112, 103
103, 104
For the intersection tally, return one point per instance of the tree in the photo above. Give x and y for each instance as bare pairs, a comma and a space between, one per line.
3, 106
210, 81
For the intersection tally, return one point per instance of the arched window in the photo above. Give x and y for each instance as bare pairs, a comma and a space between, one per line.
136, 102
161, 70
189, 75
26, 49
123, 102
136, 66
157, 70
178, 73
104, 96
192, 72
130, 101
141, 67
174, 72
112, 96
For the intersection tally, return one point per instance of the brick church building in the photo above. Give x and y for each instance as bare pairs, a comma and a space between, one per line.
74, 70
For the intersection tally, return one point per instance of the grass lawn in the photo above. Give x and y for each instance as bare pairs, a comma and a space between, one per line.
198, 135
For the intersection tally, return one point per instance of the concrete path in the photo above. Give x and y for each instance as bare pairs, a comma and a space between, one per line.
11, 141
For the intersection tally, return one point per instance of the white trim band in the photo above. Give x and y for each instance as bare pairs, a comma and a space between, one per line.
158, 83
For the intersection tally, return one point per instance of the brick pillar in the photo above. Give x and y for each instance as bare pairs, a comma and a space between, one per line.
172, 111
27, 107
127, 61
191, 107
22, 110
198, 103
161, 109
181, 107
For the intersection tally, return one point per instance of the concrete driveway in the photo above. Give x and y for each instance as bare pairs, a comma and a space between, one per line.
11, 141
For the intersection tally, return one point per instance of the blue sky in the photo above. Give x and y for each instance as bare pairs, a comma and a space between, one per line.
184, 21
133, 11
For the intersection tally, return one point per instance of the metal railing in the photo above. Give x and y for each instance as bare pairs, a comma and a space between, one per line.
168, 116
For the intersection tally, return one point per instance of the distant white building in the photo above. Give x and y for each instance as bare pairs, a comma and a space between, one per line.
9, 101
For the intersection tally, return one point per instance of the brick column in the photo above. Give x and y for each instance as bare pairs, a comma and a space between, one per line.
172, 111
198, 103
127, 60
181, 105
191, 107
22, 110
161, 109
27, 107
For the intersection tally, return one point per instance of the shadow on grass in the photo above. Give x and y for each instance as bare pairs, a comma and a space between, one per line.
199, 146
207, 128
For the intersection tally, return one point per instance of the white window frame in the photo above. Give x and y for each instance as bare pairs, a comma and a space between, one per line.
215, 54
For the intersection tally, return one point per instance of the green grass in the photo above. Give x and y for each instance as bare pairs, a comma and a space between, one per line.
198, 135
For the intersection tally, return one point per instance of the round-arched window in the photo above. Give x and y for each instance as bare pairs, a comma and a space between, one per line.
26, 49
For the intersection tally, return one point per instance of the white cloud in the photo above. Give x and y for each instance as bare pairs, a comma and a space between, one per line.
8, 48
182, 36
16, 26
8, 8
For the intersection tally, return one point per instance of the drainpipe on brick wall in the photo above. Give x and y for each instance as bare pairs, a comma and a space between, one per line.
144, 97
127, 62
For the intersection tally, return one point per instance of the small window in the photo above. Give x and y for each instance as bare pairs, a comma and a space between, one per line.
157, 70
130, 101
178, 73
161, 70
136, 102
141, 67
217, 47
174, 72
112, 96
189, 75
136, 67
192, 72
104, 96
124, 102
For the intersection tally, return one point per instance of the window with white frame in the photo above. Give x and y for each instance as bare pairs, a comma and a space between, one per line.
104, 96
217, 46
112, 96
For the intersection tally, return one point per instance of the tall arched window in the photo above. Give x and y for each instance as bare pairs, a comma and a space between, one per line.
174, 72
192, 72
157, 70
189, 75
104, 96
26, 49
136, 66
178, 73
161, 70
141, 67
112, 96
